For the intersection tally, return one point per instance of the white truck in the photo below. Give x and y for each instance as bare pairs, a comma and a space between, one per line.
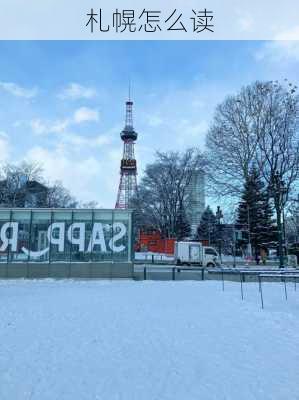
194, 253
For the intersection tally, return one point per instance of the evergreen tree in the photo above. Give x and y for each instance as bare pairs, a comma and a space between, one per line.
255, 212
183, 229
207, 227
268, 226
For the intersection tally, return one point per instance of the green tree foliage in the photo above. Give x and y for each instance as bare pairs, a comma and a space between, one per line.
255, 212
207, 229
183, 229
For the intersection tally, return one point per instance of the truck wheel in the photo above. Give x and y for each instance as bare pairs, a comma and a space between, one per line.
178, 262
210, 265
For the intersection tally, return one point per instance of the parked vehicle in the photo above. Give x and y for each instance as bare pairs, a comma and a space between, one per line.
194, 253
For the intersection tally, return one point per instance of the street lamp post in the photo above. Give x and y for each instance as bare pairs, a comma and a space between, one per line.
234, 244
219, 217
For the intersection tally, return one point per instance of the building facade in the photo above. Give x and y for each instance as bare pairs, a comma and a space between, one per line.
66, 243
196, 200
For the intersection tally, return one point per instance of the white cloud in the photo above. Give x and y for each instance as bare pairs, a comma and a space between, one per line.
85, 114
190, 132
245, 23
84, 142
85, 177
38, 127
291, 34
155, 121
76, 175
285, 47
18, 91
19, 123
75, 91
197, 103
3, 135
5, 148
59, 126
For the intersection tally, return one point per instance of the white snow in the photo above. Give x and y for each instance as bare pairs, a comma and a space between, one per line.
125, 340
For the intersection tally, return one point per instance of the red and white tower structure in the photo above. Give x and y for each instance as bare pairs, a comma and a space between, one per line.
128, 166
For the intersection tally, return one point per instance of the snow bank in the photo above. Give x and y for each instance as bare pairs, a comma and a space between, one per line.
102, 340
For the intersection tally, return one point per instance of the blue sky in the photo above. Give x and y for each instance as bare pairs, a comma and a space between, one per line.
62, 103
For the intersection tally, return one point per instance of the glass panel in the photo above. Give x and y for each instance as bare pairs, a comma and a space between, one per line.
4, 215
62, 215
39, 243
120, 240
75, 235
60, 248
18, 215
122, 215
103, 215
100, 236
4, 248
19, 254
80, 235
85, 215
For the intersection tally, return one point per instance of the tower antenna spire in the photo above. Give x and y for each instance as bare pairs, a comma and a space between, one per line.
130, 89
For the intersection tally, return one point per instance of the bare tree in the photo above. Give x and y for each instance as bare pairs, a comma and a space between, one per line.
233, 139
89, 204
163, 191
14, 182
257, 126
59, 197
278, 143
23, 185
292, 221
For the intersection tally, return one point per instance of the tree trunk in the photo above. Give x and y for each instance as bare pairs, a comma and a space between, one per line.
279, 228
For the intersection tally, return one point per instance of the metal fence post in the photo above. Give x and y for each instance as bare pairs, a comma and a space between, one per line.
222, 281
241, 282
173, 274
285, 288
261, 291
260, 284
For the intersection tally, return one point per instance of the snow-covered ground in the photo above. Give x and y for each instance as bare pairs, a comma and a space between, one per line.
124, 340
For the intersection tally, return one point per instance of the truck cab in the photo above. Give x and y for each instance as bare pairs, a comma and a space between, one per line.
211, 257
194, 253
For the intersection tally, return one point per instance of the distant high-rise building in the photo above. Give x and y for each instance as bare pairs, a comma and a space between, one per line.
196, 200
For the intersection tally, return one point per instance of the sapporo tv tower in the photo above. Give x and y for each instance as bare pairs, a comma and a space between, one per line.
128, 166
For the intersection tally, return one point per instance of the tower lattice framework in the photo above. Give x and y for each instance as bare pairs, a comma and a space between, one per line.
128, 166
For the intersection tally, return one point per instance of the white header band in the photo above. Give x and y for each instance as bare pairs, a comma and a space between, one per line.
151, 20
